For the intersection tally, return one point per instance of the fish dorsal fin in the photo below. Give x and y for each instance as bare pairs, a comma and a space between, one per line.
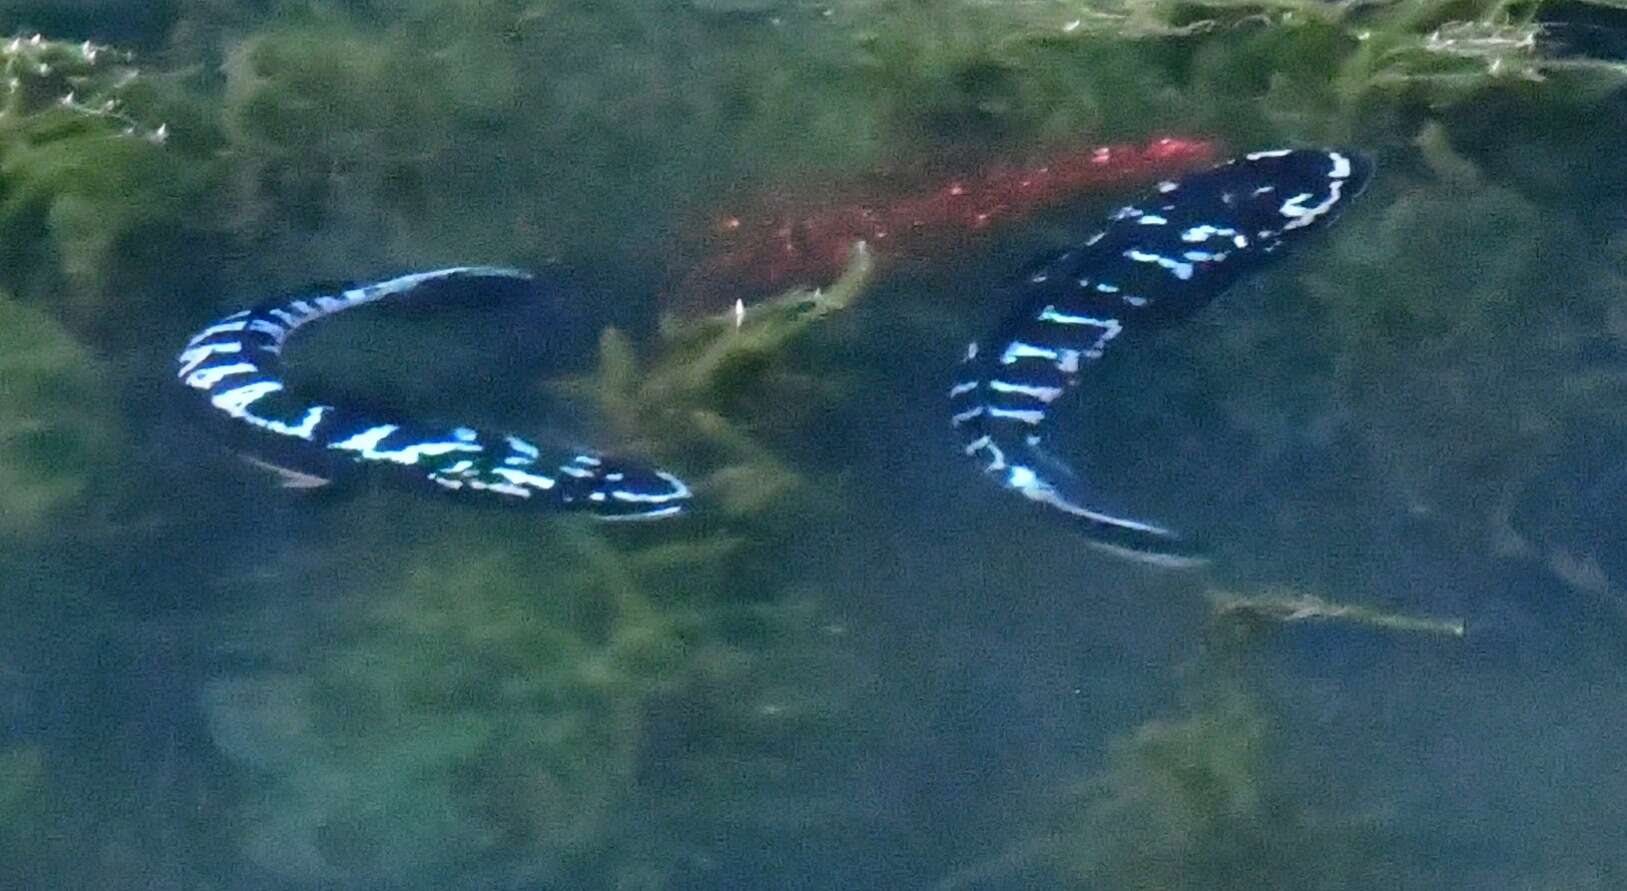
288, 478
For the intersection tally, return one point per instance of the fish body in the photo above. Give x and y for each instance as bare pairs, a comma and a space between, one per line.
234, 368
781, 242
1155, 262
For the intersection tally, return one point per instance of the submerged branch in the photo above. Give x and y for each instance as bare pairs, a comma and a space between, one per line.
1293, 607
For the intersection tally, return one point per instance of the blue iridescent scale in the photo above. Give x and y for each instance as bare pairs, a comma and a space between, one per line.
234, 367
1155, 262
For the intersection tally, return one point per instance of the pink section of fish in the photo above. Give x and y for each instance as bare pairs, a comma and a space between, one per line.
782, 242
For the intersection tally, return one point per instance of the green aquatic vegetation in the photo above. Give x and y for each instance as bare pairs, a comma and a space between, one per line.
758, 741
718, 387
98, 193
1470, 330
57, 427
704, 354
493, 705
619, 143
1245, 67
1499, 43
537, 130
1193, 801
1180, 799
102, 216
325, 142
82, 82
485, 706
556, 129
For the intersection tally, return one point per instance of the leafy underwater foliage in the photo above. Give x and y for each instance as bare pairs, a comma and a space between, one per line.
717, 390
1469, 330
492, 715
1226, 790
1193, 801
56, 422
444, 721
94, 196
614, 120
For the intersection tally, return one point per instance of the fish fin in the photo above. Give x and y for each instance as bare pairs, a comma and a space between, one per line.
1112, 532
1054, 467
288, 477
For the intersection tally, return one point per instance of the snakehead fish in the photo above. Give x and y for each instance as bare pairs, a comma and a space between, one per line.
234, 367
1155, 262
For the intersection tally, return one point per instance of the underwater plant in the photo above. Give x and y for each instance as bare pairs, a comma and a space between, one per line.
1229, 789
97, 200
57, 426
578, 106
462, 715
1189, 801
306, 156
491, 714
84, 80
709, 390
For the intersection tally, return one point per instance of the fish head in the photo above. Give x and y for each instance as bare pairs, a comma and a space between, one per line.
1281, 193
613, 489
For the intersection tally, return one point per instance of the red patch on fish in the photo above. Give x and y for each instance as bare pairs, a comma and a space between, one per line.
782, 242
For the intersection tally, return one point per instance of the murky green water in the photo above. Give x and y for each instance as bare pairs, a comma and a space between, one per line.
856, 665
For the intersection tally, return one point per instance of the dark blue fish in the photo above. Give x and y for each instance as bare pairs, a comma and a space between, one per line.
235, 367
1156, 262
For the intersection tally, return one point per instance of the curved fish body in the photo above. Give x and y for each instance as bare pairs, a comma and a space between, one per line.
1157, 261
234, 367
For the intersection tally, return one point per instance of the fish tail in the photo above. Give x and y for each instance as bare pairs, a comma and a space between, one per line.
1017, 460
999, 409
